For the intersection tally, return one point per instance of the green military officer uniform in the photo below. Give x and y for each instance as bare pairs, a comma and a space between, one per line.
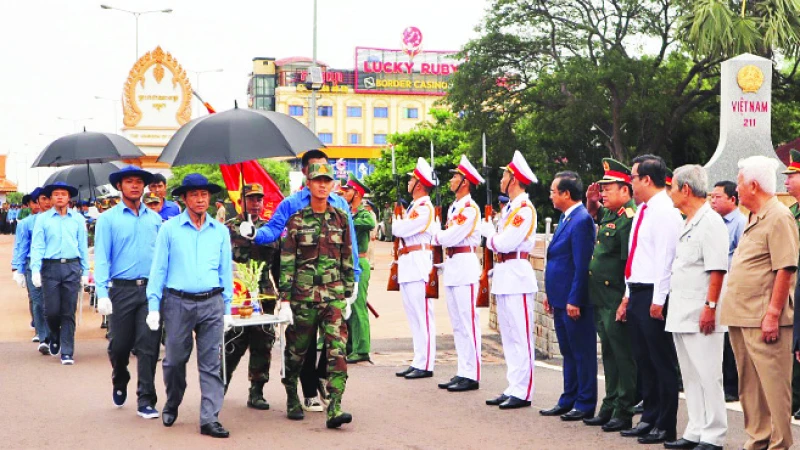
358, 342
317, 276
794, 167
606, 289
258, 339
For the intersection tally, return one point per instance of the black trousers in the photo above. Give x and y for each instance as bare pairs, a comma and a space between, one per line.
654, 351
61, 284
730, 377
132, 333
313, 369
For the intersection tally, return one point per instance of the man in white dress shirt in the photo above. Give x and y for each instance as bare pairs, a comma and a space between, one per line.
415, 263
651, 249
701, 260
461, 274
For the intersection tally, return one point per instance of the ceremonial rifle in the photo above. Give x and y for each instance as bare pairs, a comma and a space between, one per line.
488, 263
394, 283
432, 287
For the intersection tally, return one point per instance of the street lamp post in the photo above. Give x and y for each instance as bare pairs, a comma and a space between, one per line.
114, 106
136, 15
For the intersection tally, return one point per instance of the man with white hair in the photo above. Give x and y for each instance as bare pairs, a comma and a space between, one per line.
757, 309
701, 260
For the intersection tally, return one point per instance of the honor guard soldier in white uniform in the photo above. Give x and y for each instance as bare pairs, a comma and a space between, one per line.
461, 273
415, 263
514, 283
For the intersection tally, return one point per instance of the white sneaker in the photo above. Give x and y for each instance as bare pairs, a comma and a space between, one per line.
35, 339
312, 405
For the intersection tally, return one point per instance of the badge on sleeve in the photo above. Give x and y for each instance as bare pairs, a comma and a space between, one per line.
460, 219
413, 215
518, 221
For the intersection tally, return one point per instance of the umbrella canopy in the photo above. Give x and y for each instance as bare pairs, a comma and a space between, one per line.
87, 180
87, 147
236, 136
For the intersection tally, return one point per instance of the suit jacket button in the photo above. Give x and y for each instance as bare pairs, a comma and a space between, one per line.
606, 283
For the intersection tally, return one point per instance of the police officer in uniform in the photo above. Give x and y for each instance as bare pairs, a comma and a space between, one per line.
606, 289
514, 283
462, 271
317, 279
258, 339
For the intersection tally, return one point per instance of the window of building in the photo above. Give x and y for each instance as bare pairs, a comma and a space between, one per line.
353, 111
296, 110
354, 138
379, 139
381, 112
326, 138
411, 113
325, 111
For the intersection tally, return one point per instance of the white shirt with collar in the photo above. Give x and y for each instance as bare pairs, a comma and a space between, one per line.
656, 241
516, 232
415, 229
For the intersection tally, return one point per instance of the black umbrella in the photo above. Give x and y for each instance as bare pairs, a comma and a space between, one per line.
236, 136
85, 148
85, 180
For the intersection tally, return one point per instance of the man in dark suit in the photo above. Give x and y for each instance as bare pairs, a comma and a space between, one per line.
567, 286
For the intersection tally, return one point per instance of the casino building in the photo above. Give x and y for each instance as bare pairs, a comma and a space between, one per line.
387, 91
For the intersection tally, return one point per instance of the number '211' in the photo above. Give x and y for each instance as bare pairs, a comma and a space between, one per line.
749, 122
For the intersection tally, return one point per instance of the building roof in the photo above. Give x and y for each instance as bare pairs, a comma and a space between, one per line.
7, 186
297, 59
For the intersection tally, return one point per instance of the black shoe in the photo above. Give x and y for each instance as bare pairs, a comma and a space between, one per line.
656, 436
416, 373
403, 373
640, 429
598, 420
639, 408
514, 403
796, 414
296, 414
554, 411
464, 385
707, 446
617, 425
680, 444
730, 398
214, 429
497, 401
452, 381
337, 421
168, 418
576, 415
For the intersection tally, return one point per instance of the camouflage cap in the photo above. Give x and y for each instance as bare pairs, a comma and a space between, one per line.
253, 189
320, 170
151, 197
794, 162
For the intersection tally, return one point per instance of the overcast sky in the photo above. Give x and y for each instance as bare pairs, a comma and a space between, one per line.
57, 55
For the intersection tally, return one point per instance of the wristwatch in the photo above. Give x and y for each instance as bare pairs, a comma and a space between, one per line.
711, 305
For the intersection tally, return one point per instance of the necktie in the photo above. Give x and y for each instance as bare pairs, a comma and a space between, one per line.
635, 241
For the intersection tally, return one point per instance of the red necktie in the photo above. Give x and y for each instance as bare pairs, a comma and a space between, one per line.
629, 263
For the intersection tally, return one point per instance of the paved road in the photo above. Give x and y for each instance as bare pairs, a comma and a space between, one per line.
49, 406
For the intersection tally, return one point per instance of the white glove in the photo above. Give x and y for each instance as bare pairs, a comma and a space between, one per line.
487, 229
436, 226
227, 320
247, 230
348, 310
439, 267
391, 264
84, 280
104, 306
352, 298
152, 320
36, 279
286, 313
19, 278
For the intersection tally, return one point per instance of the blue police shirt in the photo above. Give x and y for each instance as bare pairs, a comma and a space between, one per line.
124, 244
22, 243
191, 260
272, 230
56, 236
169, 210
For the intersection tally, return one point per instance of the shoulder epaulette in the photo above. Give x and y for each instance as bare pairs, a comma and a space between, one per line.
629, 213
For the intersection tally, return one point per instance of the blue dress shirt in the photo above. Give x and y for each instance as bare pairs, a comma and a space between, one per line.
272, 230
22, 243
124, 245
191, 260
56, 236
736, 222
169, 210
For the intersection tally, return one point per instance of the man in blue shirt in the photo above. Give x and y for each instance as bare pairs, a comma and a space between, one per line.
158, 185
192, 269
12, 219
124, 243
312, 378
60, 265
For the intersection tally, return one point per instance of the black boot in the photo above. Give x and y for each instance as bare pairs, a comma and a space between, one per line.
256, 398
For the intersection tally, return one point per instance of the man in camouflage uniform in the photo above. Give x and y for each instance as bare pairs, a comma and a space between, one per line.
607, 289
258, 339
358, 342
317, 278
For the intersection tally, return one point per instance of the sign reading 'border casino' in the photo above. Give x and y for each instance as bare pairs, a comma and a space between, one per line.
410, 70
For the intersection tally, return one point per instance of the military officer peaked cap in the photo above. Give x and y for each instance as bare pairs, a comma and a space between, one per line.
668, 177
320, 171
424, 173
253, 189
469, 171
520, 169
794, 162
354, 183
130, 171
615, 172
